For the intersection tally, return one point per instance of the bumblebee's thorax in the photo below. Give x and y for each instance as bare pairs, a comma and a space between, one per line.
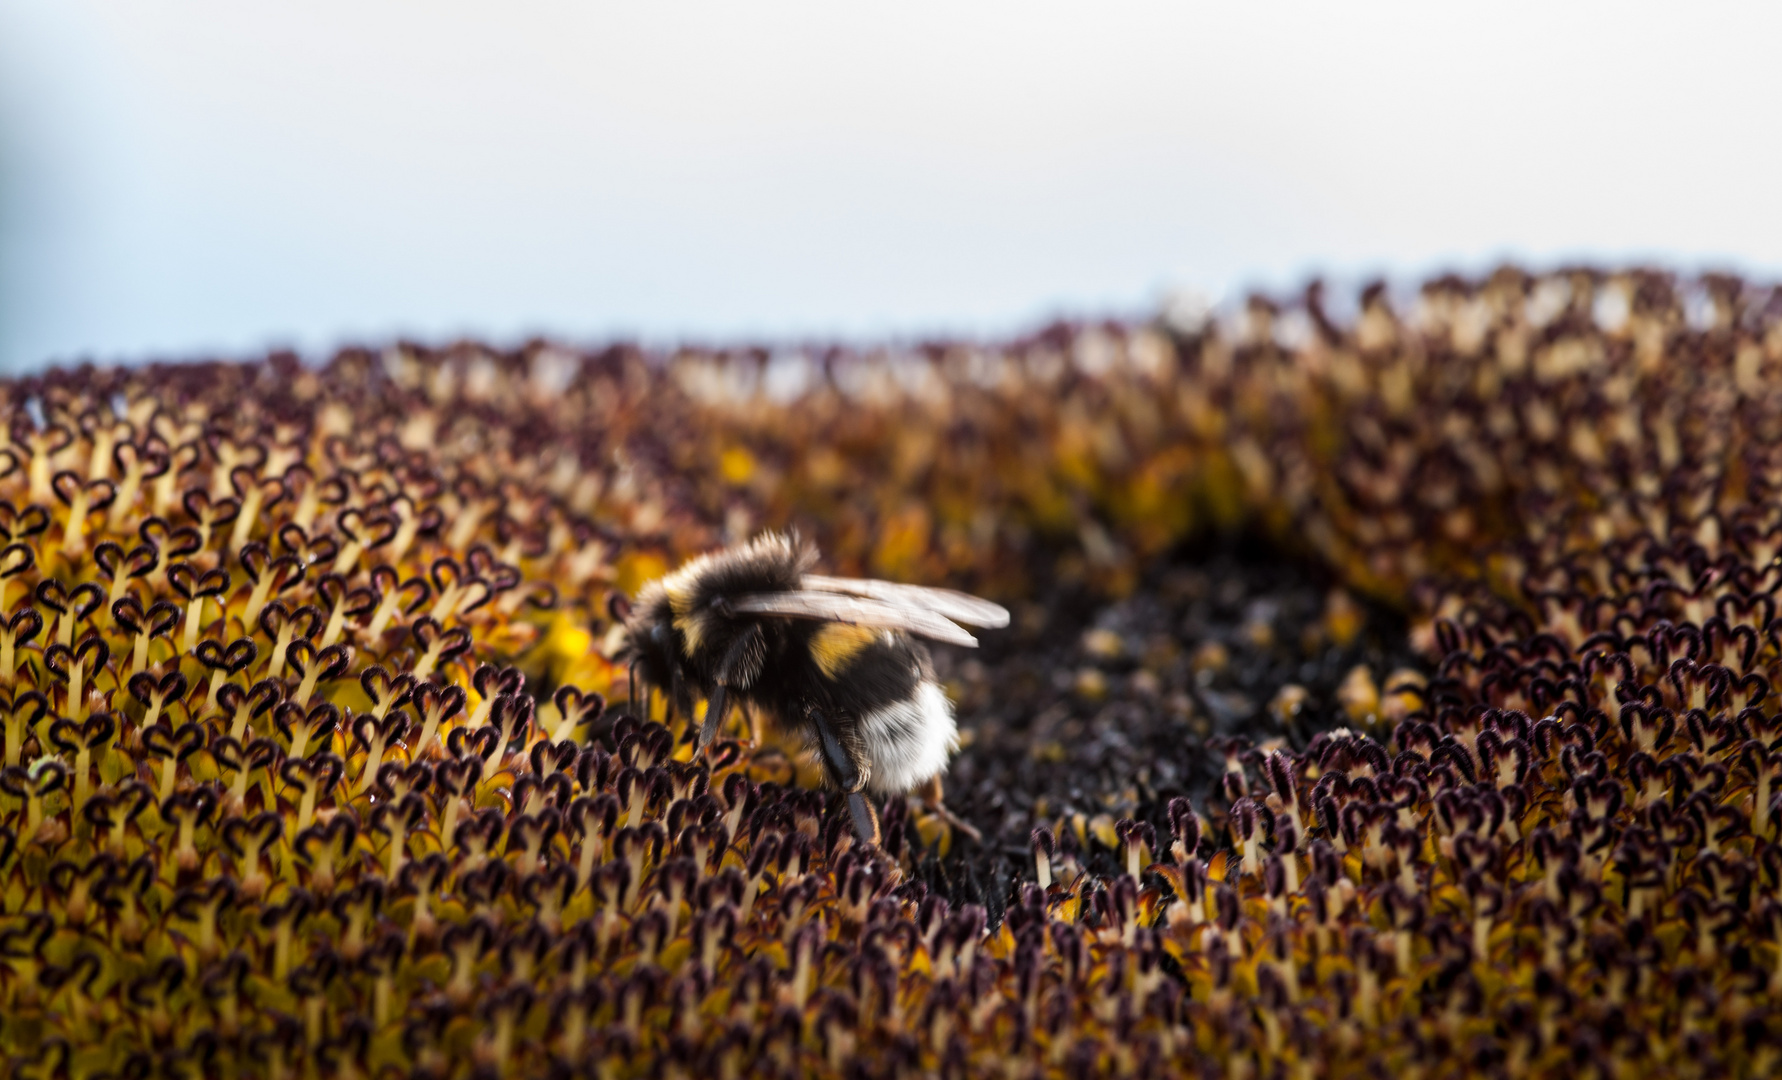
698, 593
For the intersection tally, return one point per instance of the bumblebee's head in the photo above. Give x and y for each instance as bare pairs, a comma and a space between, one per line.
679, 623
650, 644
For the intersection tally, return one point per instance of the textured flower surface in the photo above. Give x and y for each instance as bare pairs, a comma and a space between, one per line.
309, 767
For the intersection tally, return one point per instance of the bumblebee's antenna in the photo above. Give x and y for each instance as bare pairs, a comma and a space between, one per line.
631, 686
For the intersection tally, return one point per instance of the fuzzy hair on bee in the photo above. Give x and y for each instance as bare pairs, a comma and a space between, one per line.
838, 662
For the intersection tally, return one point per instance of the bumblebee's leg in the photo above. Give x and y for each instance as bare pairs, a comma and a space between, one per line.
741, 663
866, 819
714, 715
750, 718
932, 796
680, 700
847, 776
841, 767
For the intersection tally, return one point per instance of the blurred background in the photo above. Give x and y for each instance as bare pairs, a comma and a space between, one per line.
186, 179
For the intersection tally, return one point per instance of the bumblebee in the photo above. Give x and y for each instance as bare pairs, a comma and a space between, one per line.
835, 661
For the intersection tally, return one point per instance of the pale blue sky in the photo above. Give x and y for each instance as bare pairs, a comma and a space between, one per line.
180, 179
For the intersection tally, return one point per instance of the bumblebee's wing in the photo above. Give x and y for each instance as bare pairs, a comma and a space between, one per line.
958, 606
854, 610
